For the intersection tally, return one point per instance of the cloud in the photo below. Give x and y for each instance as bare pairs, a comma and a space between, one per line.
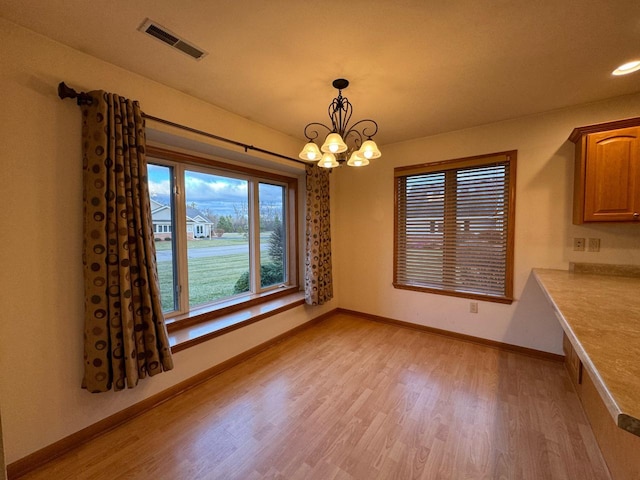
201, 187
209, 191
159, 180
162, 188
270, 194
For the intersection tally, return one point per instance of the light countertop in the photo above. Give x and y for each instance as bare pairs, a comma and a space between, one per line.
601, 316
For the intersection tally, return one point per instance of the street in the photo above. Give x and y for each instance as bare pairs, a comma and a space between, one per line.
165, 255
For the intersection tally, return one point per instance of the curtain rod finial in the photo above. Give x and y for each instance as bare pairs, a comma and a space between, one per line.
82, 98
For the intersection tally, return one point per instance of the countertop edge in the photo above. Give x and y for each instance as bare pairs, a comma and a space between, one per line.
622, 420
629, 423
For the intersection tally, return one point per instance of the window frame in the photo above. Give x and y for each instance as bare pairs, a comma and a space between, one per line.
187, 316
455, 165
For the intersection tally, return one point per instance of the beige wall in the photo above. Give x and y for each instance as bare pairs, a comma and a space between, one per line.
41, 277
41, 274
544, 230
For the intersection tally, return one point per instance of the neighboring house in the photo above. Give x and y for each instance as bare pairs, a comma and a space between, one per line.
198, 225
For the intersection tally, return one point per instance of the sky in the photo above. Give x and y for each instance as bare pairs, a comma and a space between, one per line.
217, 193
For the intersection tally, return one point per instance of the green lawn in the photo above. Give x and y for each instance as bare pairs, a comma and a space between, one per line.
224, 241
210, 278
165, 276
213, 278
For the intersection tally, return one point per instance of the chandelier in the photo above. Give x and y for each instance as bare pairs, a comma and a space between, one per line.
342, 142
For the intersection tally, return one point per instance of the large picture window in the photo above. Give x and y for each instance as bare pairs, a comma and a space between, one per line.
454, 227
224, 234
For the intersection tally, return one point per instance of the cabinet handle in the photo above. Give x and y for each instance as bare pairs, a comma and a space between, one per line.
636, 215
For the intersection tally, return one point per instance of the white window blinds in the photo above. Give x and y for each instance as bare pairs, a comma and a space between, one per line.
454, 227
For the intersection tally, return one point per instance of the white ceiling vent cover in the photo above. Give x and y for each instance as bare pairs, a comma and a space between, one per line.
167, 36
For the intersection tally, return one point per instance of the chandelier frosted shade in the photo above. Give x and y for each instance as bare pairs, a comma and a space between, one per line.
328, 160
334, 144
369, 150
343, 141
310, 153
357, 160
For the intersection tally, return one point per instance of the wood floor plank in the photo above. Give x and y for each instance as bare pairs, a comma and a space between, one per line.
354, 399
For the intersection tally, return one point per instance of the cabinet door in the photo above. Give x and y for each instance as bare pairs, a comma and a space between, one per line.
612, 177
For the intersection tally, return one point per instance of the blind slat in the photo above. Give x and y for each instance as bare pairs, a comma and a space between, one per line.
452, 227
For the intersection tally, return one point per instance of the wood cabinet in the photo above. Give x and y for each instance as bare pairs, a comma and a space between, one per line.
619, 448
607, 172
572, 361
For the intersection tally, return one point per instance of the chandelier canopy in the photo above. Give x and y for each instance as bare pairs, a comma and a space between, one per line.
353, 145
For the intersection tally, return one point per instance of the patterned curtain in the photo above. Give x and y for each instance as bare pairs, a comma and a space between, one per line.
125, 334
318, 282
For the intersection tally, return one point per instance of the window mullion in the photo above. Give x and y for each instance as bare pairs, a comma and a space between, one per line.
180, 232
254, 236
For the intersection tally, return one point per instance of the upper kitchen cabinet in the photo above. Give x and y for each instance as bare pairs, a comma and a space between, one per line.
607, 172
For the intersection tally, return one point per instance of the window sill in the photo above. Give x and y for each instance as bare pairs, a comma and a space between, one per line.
185, 332
213, 311
453, 293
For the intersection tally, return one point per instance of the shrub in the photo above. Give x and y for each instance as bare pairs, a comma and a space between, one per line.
242, 284
271, 274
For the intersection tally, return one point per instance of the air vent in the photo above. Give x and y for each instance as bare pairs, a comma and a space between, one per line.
166, 36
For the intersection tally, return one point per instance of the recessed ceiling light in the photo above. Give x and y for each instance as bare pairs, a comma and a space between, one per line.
628, 67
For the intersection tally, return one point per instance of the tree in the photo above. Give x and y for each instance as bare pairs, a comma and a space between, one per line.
211, 216
268, 214
276, 242
225, 223
240, 219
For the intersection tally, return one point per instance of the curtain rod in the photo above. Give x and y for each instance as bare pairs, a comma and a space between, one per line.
82, 98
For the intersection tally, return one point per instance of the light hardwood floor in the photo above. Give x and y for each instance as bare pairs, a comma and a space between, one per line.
353, 399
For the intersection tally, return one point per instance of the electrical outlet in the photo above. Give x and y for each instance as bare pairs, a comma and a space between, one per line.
594, 244
578, 244
473, 307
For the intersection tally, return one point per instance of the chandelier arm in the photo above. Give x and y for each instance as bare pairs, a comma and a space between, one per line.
340, 110
357, 137
312, 134
368, 130
334, 111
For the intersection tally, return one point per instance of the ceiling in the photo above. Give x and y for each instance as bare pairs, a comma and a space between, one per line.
418, 67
